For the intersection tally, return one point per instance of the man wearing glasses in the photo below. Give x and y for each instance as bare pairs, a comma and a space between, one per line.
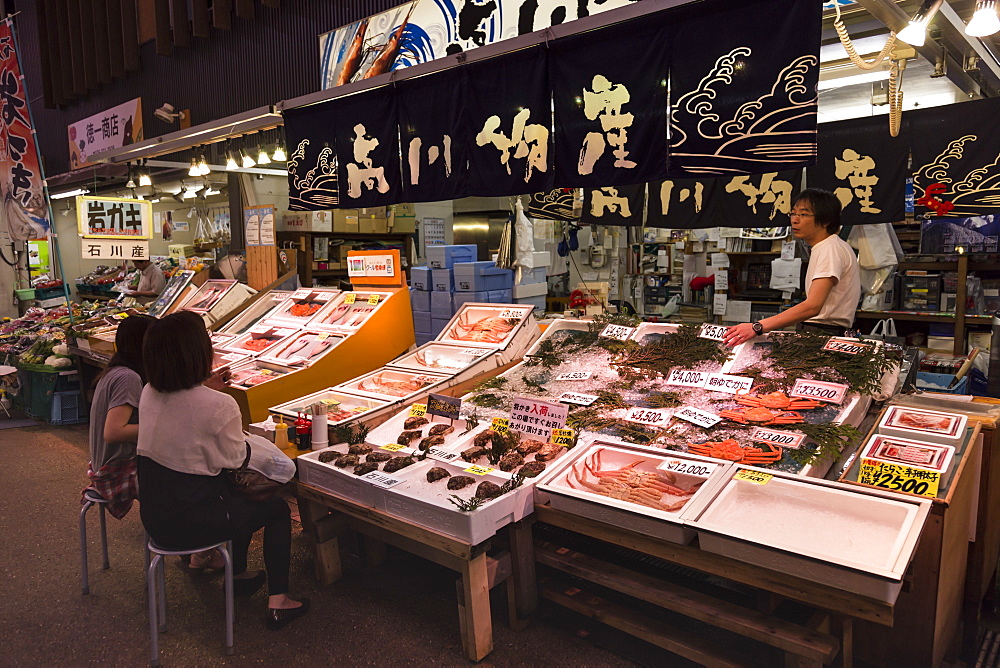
833, 283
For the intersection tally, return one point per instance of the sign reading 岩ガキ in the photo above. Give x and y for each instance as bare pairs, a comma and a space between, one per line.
114, 218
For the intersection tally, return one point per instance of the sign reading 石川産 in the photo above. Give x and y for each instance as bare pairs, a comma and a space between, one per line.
114, 218
114, 249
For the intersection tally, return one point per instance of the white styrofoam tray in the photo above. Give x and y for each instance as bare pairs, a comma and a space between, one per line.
858, 540
259, 310
468, 440
390, 430
261, 371
274, 332
441, 358
340, 481
290, 351
923, 425
339, 316
560, 325
918, 454
209, 295
512, 342
561, 487
357, 405
318, 297
394, 384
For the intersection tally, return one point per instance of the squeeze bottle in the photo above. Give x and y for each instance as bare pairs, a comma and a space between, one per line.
281, 434
302, 432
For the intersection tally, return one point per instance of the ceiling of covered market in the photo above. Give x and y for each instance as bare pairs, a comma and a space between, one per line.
951, 67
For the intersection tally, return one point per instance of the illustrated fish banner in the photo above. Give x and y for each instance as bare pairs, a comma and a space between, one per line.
743, 86
556, 204
24, 205
751, 201
312, 159
425, 30
956, 160
865, 168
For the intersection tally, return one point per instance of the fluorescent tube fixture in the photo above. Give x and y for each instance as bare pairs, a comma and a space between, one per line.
69, 193
985, 21
915, 32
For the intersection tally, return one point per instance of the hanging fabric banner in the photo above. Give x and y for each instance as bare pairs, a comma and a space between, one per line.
956, 160
25, 209
614, 205
434, 150
760, 200
609, 89
367, 146
553, 205
509, 115
743, 86
312, 162
865, 167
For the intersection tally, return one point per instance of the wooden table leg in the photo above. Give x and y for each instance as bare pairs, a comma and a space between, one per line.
324, 529
844, 628
522, 582
374, 551
475, 622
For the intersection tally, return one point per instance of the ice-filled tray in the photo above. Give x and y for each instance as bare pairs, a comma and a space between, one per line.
303, 306
340, 480
488, 325
529, 456
208, 295
430, 504
393, 384
647, 490
436, 434
259, 310
441, 358
348, 310
858, 540
923, 425
256, 372
558, 329
341, 407
303, 348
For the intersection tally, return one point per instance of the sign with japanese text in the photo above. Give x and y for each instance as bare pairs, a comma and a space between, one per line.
653, 417
847, 346
418, 410
619, 332
574, 375
537, 418
381, 479
899, 477
478, 470
112, 128
720, 382
712, 332
114, 218
500, 425
756, 477
697, 416
577, 398
786, 439
563, 437
114, 249
444, 406
687, 378
687, 467
371, 265
20, 170
831, 393
259, 225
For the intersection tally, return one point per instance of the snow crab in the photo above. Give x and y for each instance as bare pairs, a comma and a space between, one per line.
437, 362
777, 401
732, 451
485, 330
396, 388
761, 415
645, 488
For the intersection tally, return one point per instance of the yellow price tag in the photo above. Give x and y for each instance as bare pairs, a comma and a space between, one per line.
358, 409
563, 437
756, 477
899, 477
322, 336
120, 316
478, 470
418, 410
265, 372
330, 402
350, 298
373, 299
500, 425
392, 447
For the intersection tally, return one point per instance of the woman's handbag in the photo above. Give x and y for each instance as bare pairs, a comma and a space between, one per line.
252, 485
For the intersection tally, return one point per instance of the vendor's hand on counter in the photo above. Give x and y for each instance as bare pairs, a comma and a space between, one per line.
737, 334
219, 379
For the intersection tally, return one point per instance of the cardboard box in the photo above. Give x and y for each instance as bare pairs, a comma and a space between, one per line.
981, 340
403, 210
421, 279
373, 212
441, 280
344, 220
338, 220
380, 225
180, 250
402, 224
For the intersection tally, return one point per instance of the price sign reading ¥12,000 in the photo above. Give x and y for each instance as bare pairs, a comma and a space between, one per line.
579, 399
479, 470
849, 346
574, 375
899, 477
648, 416
832, 393
756, 477
713, 332
697, 416
350, 298
381, 479
563, 437
500, 425
720, 382
786, 439
418, 410
687, 378
689, 468
619, 332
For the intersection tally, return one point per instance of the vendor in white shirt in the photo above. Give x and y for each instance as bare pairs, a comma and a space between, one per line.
151, 281
833, 283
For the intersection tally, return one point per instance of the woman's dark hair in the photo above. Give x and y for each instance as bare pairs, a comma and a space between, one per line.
177, 352
128, 346
825, 205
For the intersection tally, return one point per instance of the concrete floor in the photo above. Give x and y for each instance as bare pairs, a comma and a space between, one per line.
402, 613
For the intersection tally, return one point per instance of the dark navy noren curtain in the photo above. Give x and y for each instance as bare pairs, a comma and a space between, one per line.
614, 205
312, 160
367, 136
748, 200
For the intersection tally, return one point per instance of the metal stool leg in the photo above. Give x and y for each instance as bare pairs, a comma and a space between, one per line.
161, 578
83, 546
228, 557
154, 644
104, 537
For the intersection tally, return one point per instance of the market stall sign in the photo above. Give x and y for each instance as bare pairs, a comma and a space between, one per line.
756, 477
537, 418
619, 332
114, 218
563, 437
574, 375
374, 268
478, 470
720, 382
712, 332
381, 479
687, 378
899, 477
109, 129
648, 416
392, 447
695, 469
418, 410
577, 398
832, 393
500, 425
110, 249
697, 416
785, 439
442, 455
443, 406
849, 346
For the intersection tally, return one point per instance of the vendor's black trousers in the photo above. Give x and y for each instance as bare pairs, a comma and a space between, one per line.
183, 510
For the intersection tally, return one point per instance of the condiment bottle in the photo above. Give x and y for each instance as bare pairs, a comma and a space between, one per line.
303, 432
281, 434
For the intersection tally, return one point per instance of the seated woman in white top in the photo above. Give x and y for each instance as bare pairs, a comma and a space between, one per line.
189, 432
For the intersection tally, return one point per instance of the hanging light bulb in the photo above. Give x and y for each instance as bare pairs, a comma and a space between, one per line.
203, 168
915, 32
247, 161
194, 169
131, 184
231, 163
145, 180
262, 157
985, 21
279, 154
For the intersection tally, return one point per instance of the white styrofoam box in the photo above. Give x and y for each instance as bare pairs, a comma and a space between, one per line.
422, 321
859, 540
421, 278
531, 290
466, 441
259, 310
393, 384
445, 257
429, 504
307, 301
442, 280
303, 349
541, 259
459, 298
443, 358
531, 276
341, 482
570, 486
535, 302
552, 331
340, 316
923, 425
420, 300
343, 406
209, 295
441, 305
389, 432
944, 343
256, 372
461, 330
905, 452
220, 340
221, 358
275, 333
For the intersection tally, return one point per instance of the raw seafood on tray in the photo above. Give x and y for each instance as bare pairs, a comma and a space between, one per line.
422, 433
256, 373
341, 407
393, 384
303, 305
349, 310
259, 338
440, 358
303, 348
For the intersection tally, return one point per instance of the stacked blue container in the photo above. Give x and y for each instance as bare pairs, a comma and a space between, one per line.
420, 301
482, 282
433, 289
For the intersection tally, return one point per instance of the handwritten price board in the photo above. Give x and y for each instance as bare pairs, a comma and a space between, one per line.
712, 332
648, 416
617, 332
574, 375
447, 407
697, 416
785, 439
899, 477
848, 346
418, 410
563, 437
832, 393
687, 378
577, 398
720, 382
756, 477
695, 469
500, 425
478, 470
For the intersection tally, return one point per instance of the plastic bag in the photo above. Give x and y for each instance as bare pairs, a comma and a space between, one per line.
671, 306
877, 245
266, 458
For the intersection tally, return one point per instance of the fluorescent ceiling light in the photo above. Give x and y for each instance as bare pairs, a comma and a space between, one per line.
69, 193
985, 21
854, 79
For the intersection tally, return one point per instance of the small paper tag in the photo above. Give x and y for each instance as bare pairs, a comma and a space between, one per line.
619, 332
322, 336
832, 393
330, 402
443, 455
574, 375
418, 410
381, 479
512, 314
687, 378
712, 332
579, 399
563, 437
478, 470
786, 439
350, 298
756, 477
373, 299
720, 382
648, 416
393, 447
697, 416
500, 425
475, 352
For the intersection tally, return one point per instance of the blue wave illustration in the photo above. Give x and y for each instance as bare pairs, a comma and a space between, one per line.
414, 47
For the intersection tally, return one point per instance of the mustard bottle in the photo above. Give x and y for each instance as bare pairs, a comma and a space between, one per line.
281, 434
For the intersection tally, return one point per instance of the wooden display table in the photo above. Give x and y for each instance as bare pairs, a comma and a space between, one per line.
325, 516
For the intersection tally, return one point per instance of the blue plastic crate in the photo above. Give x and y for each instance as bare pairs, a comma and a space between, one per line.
938, 382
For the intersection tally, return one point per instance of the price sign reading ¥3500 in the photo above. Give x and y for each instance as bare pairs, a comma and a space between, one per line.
832, 393
697, 416
648, 416
899, 477
619, 332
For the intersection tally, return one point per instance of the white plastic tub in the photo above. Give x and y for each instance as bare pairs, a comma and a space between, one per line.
340, 481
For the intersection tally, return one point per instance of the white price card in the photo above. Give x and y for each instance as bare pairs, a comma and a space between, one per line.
512, 314
687, 378
574, 375
786, 439
721, 280
697, 416
653, 417
696, 469
577, 398
619, 332
475, 352
442, 455
848, 346
720, 261
832, 393
381, 479
720, 382
788, 250
712, 332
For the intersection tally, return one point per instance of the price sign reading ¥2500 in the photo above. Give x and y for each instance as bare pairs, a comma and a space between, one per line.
687, 378
712, 332
697, 416
619, 332
574, 375
899, 477
648, 416
786, 439
832, 393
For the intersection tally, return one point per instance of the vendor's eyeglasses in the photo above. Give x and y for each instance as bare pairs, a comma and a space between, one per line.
801, 214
